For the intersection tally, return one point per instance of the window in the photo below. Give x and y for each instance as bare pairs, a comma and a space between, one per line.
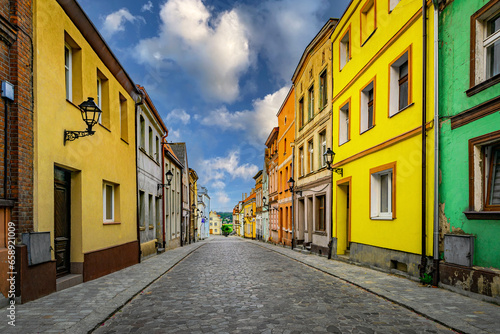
322, 141
301, 161
68, 68
400, 83
485, 46
383, 191
368, 20
150, 137
311, 156
123, 118
321, 213
108, 198
142, 209
150, 212
157, 152
157, 208
344, 127
310, 108
484, 172
143, 132
284, 147
301, 113
323, 92
345, 48
392, 4
367, 117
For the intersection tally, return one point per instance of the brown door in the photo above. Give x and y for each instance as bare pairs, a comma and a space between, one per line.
62, 182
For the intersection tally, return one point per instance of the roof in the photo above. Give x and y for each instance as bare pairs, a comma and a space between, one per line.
180, 151
272, 136
172, 155
259, 173
152, 108
98, 44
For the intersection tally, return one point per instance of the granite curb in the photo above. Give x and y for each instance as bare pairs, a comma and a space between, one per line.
455, 311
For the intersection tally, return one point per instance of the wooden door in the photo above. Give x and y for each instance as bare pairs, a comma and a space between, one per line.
62, 233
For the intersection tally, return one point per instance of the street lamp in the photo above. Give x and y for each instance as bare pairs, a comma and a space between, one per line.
329, 156
90, 115
168, 177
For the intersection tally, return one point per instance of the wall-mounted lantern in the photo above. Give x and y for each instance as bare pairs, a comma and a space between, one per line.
329, 156
168, 177
90, 115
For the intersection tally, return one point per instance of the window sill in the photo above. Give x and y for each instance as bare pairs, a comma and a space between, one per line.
482, 215
367, 130
368, 38
382, 218
123, 140
483, 85
344, 142
104, 127
401, 110
111, 223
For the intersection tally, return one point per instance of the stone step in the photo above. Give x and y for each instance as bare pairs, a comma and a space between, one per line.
68, 281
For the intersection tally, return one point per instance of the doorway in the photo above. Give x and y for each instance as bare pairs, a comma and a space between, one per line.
344, 216
62, 220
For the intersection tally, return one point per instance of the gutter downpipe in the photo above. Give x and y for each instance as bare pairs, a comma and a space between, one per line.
137, 104
423, 261
435, 277
163, 143
293, 199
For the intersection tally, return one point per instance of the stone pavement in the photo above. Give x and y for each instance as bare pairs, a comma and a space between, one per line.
461, 313
81, 308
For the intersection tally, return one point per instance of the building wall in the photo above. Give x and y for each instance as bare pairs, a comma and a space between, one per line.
149, 171
312, 178
393, 142
454, 83
107, 156
172, 203
286, 136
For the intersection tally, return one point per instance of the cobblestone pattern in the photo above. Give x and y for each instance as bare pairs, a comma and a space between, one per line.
237, 287
462, 313
80, 308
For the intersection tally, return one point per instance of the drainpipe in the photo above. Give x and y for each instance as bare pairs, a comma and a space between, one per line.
137, 104
164, 193
293, 198
435, 277
424, 151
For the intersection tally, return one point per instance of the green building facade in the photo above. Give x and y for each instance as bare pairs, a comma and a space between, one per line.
469, 108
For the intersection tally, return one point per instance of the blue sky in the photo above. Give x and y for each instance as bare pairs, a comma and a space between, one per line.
217, 71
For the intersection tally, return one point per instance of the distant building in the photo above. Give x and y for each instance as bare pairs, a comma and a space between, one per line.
204, 213
172, 199
215, 223
180, 151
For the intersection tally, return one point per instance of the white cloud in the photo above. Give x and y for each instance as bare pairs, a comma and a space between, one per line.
147, 7
217, 169
257, 122
174, 135
218, 185
222, 198
115, 22
178, 115
212, 49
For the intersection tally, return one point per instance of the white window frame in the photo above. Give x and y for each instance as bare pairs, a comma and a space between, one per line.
394, 83
322, 141
68, 68
344, 115
99, 97
364, 95
104, 202
376, 192
310, 149
345, 48
393, 4
483, 42
310, 100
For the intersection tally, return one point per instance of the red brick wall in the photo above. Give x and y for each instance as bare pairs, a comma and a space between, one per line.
16, 66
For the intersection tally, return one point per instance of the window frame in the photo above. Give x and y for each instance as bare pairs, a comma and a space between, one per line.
478, 80
323, 89
394, 73
68, 72
104, 202
301, 161
318, 227
347, 121
301, 112
365, 104
310, 105
142, 125
345, 55
322, 145
368, 5
310, 150
375, 188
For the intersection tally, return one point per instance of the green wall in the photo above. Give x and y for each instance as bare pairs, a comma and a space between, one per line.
454, 59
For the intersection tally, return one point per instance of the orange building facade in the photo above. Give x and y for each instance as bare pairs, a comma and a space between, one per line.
286, 135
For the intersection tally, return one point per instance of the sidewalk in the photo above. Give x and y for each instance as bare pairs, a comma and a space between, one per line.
461, 313
80, 308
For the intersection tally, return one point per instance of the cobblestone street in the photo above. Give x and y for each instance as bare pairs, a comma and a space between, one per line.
232, 286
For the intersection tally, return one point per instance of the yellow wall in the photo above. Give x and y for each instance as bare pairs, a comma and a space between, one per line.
396, 32
92, 160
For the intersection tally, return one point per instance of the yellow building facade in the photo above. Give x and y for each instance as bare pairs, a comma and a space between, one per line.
84, 190
249, 212
378, 106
